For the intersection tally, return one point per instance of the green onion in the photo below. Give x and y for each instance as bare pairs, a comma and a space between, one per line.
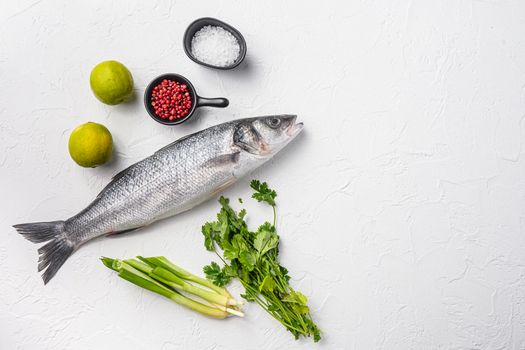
180, 272
162, 281
171, 280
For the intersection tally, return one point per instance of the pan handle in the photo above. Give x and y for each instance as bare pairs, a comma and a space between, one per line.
212, 102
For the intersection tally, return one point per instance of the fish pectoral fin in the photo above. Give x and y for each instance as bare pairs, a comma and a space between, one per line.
223, 160
223, 186
118, 233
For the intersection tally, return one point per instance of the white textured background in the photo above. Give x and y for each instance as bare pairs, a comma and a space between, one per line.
401, 207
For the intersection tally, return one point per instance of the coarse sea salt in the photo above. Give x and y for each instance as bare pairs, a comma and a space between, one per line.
216, 46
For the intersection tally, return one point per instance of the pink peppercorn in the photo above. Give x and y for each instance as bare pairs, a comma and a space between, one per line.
171, 100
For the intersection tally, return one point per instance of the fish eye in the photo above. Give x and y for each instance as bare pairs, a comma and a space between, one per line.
274, 123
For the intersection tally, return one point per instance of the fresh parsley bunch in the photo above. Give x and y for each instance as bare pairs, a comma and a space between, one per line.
252, 257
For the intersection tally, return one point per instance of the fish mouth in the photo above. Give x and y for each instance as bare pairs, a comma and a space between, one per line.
295, 128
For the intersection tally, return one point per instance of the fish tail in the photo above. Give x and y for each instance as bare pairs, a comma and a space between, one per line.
55, 252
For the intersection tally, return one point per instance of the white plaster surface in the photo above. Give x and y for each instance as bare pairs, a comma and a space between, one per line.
401, 207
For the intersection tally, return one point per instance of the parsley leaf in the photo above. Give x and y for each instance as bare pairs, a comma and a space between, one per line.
265, 239
268, 284
247, 259
217, 275
263, 193
209, 236
298, 301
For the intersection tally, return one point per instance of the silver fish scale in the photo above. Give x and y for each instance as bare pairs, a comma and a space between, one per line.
172, 180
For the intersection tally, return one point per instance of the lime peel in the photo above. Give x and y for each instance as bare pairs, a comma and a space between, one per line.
111, 82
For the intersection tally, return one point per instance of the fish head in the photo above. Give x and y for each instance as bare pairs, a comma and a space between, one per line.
265, 136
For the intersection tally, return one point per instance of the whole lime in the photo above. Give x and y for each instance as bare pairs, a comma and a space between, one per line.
111, 82
90, 145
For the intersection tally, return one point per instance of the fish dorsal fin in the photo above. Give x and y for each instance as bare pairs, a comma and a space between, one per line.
117, 177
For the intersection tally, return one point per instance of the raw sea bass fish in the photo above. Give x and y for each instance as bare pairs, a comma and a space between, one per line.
174, 179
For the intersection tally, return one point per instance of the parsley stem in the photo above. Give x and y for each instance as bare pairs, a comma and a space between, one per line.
220, 257
265, 306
